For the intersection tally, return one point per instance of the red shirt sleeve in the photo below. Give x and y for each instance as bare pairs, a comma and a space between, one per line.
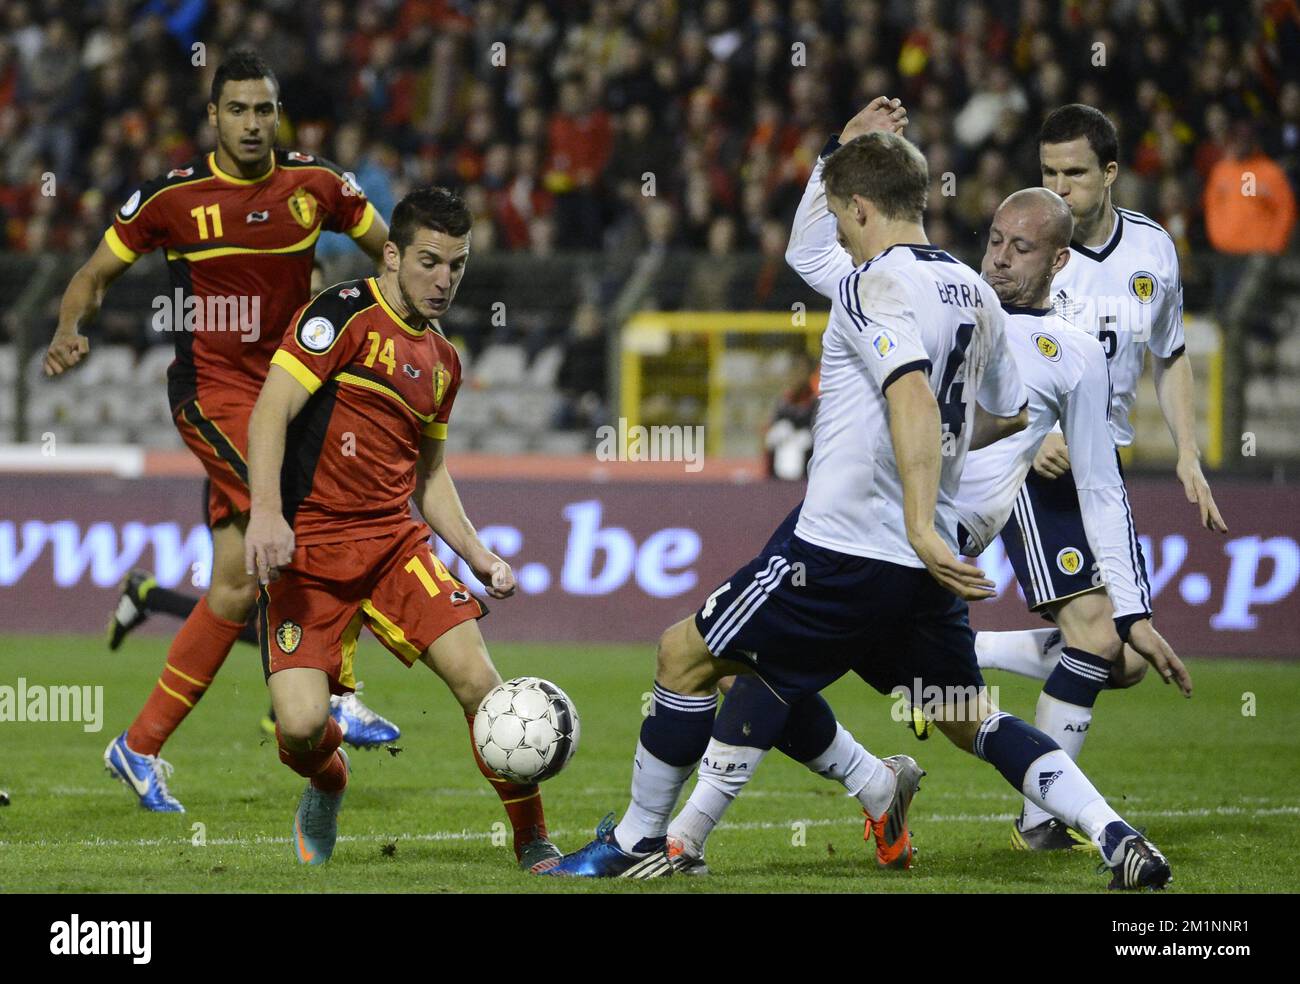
438, 426
318, 342
140, 225
346, 207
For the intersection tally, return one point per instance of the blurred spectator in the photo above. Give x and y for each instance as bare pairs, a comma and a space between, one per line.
1249, 205
583, 373
789, 436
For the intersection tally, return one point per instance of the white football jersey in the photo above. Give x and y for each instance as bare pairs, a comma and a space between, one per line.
1064, 370
911, 307
1129, 296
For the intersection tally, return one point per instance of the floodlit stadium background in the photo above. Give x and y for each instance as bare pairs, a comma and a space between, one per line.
621, 159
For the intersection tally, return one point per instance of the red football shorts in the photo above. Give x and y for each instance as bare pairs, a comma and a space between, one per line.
215, 427
394, 585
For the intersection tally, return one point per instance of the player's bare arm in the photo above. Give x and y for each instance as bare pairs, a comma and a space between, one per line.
914, 427
440, 505
990, 428
79, 306
268, 540
1173, 377
371, 242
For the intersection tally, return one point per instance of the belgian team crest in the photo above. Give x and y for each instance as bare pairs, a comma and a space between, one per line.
1047, 346
302, 206
1142, 285
1069, 560
440, 379
288, 635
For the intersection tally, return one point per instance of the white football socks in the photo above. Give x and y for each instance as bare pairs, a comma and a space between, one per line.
655, 788
724, 771
1029, 652
1060, 788
863, 776
1067, 724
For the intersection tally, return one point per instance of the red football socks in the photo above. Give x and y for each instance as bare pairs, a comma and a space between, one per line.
523, 803
323, 765
197, 652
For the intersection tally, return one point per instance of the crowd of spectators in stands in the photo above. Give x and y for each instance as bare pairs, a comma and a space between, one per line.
639, 127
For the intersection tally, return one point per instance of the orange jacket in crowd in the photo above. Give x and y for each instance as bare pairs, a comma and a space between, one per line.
1238, 222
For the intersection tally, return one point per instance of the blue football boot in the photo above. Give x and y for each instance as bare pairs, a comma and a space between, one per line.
362, 727
603, 858
147, 776
316, 824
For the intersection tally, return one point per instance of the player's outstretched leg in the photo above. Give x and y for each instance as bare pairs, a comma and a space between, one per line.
884, 788
309, 744
1029, 652
198, 650
674, 737
1036, 766
1086, 666
461, 659
139, 596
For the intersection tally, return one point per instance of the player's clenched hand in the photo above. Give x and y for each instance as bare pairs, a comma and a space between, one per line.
268, 546
882, 113
497, 577
65, 351
1053, 458
1198, 491
1151, 646
961, 579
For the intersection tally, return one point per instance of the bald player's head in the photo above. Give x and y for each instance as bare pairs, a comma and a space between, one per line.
1029, 241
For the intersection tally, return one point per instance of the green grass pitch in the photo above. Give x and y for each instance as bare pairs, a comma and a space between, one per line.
1217, 789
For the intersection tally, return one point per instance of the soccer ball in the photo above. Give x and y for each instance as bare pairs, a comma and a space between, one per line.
526, 729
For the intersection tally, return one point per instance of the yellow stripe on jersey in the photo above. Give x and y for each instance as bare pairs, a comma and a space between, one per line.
370, 384
387, 631
235, 179
367, 220
397, 320
118, 247
436, 429
218, 251
290, 364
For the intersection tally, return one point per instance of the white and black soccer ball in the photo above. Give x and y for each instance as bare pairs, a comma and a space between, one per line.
526, 729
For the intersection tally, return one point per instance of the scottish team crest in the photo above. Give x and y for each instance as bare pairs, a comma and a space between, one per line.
1069, 561
288, 635
302, 206
1047, 346
1143, 286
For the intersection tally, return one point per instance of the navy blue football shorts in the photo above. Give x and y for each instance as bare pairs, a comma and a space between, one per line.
801, 616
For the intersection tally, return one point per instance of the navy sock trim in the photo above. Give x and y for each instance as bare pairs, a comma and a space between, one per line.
1078, 678
678, 727
1011, 746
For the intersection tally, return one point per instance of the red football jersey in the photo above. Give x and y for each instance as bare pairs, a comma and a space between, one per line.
378, 385
240, 253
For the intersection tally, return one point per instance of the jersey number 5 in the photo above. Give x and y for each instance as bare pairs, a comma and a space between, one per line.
1107, 336
952, 411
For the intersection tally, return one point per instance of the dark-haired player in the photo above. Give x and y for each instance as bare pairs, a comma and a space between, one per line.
1122, 286
863, 575
239, 226
348, 430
